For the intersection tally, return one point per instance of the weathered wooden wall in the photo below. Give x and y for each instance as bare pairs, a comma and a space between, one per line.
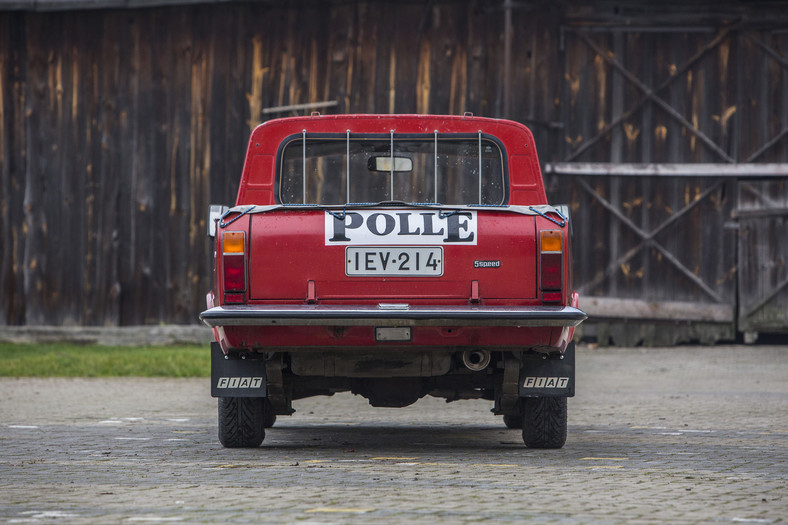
119, 127
677, 88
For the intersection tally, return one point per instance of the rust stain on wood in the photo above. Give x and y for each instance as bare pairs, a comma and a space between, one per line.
459, 81
392, 80
423, 81
254, 96
313, 93
726, 115
574, 87
173, 170
631, 132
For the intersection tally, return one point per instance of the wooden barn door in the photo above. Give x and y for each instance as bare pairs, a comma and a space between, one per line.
663, 134
653, 244
763, 257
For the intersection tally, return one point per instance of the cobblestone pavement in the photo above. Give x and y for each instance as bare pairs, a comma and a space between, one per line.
679, 435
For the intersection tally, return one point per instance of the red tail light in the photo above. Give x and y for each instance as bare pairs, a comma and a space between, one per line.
551, 264
234, 265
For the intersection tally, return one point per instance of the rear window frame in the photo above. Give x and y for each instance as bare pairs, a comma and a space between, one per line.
339, 136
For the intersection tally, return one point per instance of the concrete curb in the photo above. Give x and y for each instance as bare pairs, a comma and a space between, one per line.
147, 335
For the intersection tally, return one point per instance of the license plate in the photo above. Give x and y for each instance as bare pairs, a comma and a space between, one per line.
426, 261
396, 333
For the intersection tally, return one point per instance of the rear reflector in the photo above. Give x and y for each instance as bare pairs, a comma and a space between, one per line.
233, 298
550, 241
233, 242
551, 297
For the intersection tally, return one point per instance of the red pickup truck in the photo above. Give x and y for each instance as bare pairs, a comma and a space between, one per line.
392, 256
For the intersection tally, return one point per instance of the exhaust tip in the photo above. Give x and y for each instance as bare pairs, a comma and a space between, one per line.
476, 360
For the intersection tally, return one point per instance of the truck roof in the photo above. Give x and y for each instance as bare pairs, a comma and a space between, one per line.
260, 167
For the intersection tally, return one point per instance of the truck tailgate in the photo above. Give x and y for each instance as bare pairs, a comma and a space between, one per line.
410, 255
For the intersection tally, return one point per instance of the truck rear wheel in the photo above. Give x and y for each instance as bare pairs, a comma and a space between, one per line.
241, 421
269, 418
544, 421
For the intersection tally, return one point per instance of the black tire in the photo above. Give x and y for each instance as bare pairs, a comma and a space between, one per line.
544, 421
513, 421
241, 421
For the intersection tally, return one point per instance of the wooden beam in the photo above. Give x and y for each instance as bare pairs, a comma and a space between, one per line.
739, 171
774, 140
760, 214
301, 107
605, 308
73, 5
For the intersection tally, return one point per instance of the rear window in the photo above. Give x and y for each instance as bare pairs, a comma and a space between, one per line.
336, 169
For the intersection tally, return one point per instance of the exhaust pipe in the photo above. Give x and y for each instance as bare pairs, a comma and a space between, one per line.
476, 360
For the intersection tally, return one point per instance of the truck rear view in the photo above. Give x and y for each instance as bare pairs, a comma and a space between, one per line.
393, 257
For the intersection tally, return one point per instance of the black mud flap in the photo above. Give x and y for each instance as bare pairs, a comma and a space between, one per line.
235, 377
550, 377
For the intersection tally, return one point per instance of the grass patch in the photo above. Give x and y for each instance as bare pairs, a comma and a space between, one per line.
66, 360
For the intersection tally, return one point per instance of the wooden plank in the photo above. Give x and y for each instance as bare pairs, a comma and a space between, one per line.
341, 50
13, 158
39, 137
198, 181
443, 44
139, 335
477, 59
308, 106
71, 159
407, 51
738, 171
537, 67
755, 214
152, 194
175, 194
386, 60
71, 5
607, 308
233, 134
631, 333
647, 132
114, 95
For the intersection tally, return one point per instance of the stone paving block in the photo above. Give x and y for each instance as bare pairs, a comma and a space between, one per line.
679, 435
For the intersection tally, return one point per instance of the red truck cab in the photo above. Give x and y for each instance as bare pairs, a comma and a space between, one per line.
393, 256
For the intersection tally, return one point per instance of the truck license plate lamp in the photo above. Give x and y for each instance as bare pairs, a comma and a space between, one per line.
234, 266
551, 258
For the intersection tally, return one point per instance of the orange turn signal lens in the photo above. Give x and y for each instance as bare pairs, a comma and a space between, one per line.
550, 241
233, 242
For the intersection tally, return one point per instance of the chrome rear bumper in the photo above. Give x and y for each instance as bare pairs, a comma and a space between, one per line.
392, 315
